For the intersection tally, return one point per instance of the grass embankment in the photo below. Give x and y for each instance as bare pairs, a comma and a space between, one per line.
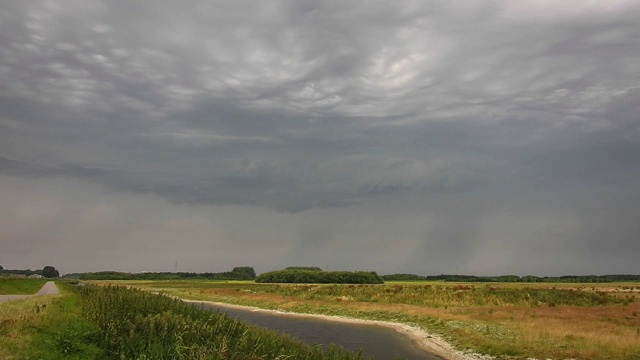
11, 286
46, 327
514, 321
94, 322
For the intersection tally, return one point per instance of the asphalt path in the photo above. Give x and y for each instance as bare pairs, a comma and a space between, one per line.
47, 289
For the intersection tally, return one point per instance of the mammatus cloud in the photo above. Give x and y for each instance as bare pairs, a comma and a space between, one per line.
309, 107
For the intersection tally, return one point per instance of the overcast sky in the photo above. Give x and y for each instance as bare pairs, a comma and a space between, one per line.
479, 137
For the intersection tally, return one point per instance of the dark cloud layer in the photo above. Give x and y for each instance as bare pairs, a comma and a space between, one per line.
507, 127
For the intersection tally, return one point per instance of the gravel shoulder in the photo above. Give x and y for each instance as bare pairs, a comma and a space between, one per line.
49, 288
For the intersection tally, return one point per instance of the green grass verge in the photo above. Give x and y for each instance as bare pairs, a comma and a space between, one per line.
47, 327
20, 286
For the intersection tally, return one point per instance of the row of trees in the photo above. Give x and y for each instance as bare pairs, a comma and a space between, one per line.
312, 274
237, 273
402, 277
531, 278
514, 278
320, 277
47, 271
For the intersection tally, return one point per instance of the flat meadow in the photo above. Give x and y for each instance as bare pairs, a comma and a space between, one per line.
506, 320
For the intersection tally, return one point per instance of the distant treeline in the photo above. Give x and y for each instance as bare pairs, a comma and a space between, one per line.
402, 277
514, 278
531, 278
320, 277
47, 271
26, 272
238, 273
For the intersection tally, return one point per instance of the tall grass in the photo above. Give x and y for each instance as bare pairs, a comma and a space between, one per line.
138, 325
47, 327
446, 296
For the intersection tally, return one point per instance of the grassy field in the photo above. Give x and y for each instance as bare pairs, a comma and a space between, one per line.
507, 320
20, 286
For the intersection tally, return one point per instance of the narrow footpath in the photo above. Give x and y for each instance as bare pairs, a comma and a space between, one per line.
47, 289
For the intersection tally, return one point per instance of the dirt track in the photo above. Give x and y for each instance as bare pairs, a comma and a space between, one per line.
47, 289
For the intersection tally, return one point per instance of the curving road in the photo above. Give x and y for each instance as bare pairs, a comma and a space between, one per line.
47, 289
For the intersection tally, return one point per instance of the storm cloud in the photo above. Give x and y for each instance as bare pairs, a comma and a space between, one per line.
480, 137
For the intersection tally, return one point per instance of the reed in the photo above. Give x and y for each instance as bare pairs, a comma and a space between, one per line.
140, 325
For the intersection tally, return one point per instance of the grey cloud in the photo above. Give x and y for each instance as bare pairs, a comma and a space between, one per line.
305, 107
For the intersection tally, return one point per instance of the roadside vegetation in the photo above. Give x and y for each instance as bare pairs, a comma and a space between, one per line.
47, 327
20, 286
506, 320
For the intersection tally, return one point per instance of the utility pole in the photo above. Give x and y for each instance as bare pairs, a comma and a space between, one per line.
176, 266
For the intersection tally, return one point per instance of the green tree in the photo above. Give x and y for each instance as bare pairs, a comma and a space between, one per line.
248, 270
50, 272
